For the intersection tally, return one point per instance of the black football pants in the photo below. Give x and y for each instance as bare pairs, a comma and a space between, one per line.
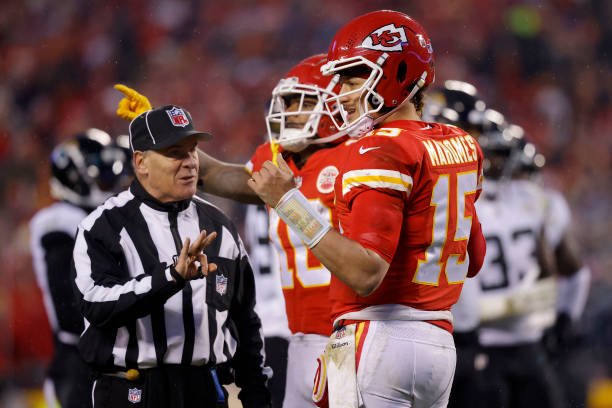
467, 383
167, 387
276, 358
520, 377
71, 377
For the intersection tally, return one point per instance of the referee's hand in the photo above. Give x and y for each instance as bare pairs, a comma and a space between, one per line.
192, 263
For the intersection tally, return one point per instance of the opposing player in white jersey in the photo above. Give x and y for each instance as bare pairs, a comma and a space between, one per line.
518, 290
562, 339
574, 275
85, 171
458, 103
269, 296
308, 140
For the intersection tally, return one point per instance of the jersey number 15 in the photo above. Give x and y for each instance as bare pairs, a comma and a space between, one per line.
436, 258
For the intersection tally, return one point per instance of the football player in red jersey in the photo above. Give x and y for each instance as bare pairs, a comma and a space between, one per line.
410, 233
307, 139
302, 132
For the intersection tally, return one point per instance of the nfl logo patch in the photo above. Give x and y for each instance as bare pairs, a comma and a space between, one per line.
340, 333
134, 395
177, 117
221, 284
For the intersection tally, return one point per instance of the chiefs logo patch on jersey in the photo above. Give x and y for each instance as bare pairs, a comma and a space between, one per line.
326, 179
386, 38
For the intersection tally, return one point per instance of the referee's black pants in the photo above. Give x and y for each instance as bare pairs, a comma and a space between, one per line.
171, 386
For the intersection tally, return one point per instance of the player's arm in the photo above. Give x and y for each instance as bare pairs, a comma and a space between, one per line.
477, 247
573, 286
352, 259
545, 254
224, 179
359, 267
567, 255
574, 279
56, 256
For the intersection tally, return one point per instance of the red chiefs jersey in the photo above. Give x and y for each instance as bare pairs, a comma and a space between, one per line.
433, 175
304, 279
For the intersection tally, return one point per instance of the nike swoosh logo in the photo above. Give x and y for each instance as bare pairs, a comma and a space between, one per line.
426, 127
362, 150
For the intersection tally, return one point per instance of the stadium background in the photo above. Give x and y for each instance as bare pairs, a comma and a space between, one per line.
545, 64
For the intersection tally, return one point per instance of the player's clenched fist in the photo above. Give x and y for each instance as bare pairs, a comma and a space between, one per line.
272, 182
133, 104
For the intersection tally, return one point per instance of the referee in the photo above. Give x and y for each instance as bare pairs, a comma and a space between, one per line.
165, 285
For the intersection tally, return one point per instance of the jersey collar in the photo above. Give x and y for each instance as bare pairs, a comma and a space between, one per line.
139, 192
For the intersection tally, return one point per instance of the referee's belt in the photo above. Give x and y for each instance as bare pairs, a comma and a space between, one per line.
224, 372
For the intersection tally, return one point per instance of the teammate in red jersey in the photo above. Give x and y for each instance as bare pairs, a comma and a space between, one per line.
305, 281
410, 234
302, 131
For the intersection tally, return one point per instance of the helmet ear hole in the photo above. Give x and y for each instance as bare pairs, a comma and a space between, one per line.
374, 101
401, 72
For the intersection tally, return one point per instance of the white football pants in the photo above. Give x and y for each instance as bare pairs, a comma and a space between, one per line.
304, 349
406, 363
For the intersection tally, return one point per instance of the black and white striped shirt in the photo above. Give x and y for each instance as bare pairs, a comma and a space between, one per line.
136, 316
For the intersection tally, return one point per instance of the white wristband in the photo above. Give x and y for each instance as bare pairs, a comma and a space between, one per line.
302, 218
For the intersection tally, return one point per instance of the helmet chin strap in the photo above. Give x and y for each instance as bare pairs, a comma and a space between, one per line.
294, 146
292, 140
366, 123
362, 126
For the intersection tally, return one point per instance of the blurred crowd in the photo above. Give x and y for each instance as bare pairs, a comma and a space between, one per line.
544, 64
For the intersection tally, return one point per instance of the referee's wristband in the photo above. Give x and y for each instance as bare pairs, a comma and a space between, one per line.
302, 217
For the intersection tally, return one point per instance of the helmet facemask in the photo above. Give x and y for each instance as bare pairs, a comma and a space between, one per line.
293, 134
370, 101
